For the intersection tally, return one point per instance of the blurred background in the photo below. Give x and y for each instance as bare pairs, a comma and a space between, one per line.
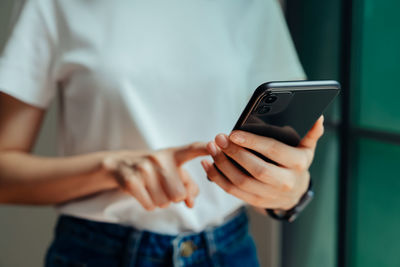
354, 219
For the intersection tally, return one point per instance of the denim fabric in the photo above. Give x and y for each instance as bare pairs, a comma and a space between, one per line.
80, 243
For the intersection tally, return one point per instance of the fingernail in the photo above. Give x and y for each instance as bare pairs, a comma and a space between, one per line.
212, 149
222, 141
189, 203
237, 138
205, 166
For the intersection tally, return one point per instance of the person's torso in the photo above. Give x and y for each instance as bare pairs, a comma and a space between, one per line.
155, 74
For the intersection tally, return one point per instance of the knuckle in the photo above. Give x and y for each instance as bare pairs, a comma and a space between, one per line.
152, 159
273, 148
212, 172
162, 203
175, 198
221, 159
109, 163
132, 182
178, 195
232, 149
241, 181
149, 207
210, 176
301, 164
262, 172
251, 140
229, 189
147, 162
143, 166
287, 186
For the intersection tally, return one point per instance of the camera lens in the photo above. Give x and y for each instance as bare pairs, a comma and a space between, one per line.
262, 109
270, 99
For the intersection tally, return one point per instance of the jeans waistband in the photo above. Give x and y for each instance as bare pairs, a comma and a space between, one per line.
115, 237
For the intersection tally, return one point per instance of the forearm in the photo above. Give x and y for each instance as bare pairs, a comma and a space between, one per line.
29, 179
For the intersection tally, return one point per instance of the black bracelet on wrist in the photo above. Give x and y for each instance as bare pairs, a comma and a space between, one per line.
293, 213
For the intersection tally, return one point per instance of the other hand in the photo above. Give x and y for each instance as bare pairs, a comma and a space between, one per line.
156, 178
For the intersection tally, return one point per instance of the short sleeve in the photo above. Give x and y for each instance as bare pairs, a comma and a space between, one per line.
26, 62
275, 55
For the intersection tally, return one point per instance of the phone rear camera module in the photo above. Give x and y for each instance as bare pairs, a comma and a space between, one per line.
270, 99
262, 109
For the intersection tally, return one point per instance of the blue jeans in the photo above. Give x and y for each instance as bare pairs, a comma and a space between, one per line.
79, 242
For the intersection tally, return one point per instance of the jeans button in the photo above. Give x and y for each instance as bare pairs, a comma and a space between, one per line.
187, 248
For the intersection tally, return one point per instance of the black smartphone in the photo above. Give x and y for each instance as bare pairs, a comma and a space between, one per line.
286, 110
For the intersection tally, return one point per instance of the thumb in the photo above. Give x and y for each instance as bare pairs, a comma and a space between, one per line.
311, 138
189, 152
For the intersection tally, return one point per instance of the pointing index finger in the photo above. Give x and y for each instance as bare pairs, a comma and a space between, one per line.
189, 152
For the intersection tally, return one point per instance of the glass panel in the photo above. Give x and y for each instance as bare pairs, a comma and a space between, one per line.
315, 28
310, 241
375, 209
376, 57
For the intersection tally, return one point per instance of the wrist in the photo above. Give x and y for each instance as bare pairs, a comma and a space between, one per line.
291, 214
101, 173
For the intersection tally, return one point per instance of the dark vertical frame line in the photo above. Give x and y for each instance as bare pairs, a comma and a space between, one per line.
344, 133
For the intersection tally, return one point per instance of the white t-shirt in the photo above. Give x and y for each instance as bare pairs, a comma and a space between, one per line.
147, 74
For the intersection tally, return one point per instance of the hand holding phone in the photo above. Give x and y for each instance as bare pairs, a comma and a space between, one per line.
265, 160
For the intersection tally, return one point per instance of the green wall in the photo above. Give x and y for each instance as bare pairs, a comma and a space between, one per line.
375, 65
311, 240
374, 200
372, 220
374, 217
